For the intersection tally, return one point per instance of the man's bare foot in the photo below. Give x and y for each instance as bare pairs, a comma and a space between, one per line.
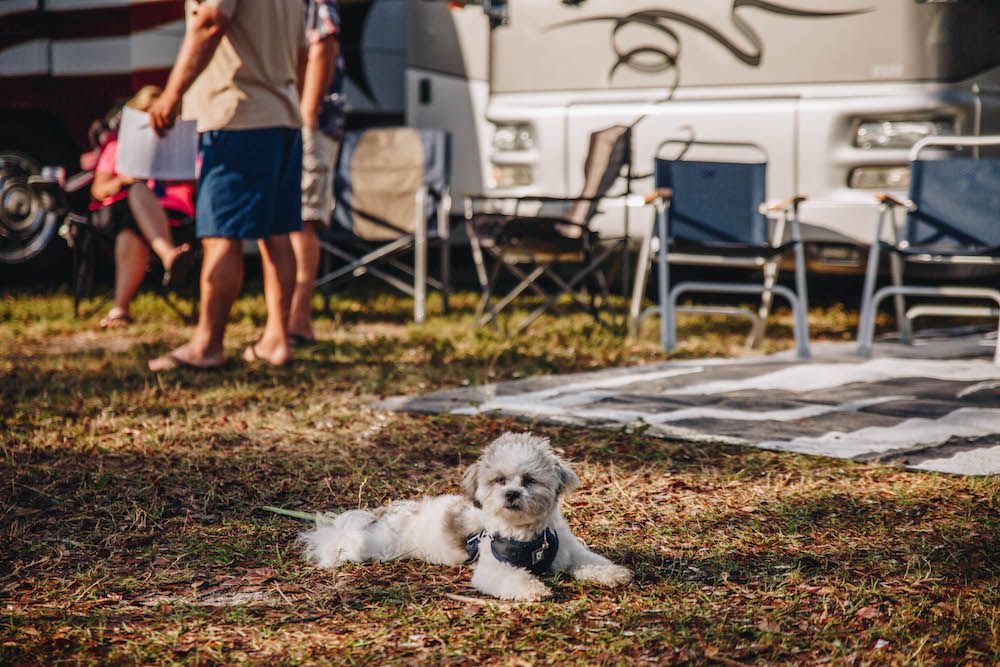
185, 357
275, 354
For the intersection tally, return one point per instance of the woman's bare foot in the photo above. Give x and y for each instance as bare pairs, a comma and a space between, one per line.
117, 318
178, 266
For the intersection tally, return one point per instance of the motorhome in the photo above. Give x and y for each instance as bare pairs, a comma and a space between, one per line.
834, 91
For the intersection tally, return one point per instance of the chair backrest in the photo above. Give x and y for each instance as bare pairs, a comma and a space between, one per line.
715, 203
379, 173
957, 203
608, 152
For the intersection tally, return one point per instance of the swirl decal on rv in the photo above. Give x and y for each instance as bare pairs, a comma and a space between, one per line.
656, 59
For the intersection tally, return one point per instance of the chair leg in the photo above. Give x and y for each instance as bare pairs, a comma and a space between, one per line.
570, 284
445, 273
420, 260
444, 240
770, 270
486, 299
899, 300
643, 263
526, 282
668, 326
866, 316
77, 252
484, 280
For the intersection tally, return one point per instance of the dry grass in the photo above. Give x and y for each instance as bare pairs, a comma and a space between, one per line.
131, 528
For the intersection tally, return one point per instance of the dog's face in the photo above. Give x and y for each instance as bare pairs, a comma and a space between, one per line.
518, 479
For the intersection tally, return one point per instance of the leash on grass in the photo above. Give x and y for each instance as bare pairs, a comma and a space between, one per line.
296, 514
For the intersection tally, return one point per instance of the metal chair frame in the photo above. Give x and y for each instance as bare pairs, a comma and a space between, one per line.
871, 298
373, 254
542, 263
783, 214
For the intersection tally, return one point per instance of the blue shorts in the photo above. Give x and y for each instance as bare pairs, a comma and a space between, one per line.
250, 185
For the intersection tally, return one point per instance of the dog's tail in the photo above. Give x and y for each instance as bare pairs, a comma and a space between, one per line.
338, 539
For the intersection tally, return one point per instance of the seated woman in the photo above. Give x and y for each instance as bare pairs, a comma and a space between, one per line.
139, 218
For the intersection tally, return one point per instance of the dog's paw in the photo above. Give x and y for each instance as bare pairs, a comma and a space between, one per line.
519, 589
609, 575
530, 592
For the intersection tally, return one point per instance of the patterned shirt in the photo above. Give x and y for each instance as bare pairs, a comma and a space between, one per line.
323, 20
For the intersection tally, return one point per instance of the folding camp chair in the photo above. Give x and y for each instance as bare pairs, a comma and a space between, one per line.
392, 197
714, 214
93, 243
540, 243
951, 218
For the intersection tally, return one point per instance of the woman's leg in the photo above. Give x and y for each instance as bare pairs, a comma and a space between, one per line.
131, 260
152, 221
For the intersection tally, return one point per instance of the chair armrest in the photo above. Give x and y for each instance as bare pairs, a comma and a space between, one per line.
771, 207
541, 198
889, 200
659, 193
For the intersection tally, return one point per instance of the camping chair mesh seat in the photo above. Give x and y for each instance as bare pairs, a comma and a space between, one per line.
714, 214
543, 242
951, 218
391, 197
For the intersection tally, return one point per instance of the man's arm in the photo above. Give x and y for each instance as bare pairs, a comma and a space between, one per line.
319, 70
201, 39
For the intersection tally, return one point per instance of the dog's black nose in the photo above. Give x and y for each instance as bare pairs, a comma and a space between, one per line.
513, 494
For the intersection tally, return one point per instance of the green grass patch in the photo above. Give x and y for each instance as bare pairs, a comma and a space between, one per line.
132, 525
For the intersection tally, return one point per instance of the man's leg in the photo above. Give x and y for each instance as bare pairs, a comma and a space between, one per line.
305, 245
131, 260
221, 281
278, 260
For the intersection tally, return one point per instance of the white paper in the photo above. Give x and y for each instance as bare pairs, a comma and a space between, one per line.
141, 153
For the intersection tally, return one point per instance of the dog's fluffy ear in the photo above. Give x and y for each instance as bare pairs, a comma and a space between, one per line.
470, 481
567, 478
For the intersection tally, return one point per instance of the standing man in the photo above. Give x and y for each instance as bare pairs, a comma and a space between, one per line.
322, 109
236, 72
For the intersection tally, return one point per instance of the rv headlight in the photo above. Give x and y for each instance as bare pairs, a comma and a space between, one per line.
506, 176
513, 137
901, 133
881, 178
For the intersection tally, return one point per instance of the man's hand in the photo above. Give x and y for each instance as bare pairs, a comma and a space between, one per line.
164, 112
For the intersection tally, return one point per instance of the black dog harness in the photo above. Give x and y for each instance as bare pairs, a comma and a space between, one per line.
536, 555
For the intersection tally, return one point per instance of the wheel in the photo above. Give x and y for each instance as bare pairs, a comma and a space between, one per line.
30, 246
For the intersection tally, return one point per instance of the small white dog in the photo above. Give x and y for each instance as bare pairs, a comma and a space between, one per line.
508, 522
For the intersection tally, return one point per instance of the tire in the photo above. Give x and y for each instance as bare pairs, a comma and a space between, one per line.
30, 246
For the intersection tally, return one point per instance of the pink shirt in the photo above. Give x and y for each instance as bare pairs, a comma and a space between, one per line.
176, 197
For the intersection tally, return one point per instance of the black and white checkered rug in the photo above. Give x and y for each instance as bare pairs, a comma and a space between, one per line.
930, 407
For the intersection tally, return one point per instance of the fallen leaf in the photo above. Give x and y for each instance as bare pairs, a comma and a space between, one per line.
867, 612
767, 625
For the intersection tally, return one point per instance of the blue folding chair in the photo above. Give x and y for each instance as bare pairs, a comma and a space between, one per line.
715, 214
391, 192
952, 217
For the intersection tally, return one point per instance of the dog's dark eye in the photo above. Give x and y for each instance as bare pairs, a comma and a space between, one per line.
500, 480
527, 479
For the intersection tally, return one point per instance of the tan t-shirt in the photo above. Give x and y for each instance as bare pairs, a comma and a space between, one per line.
250, 81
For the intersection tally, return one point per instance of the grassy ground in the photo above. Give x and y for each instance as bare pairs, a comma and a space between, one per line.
131, 528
